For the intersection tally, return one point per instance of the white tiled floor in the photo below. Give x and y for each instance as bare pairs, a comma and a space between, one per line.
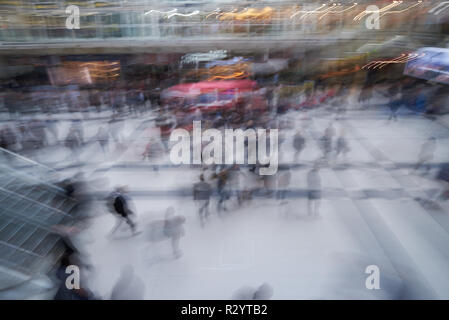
265, 242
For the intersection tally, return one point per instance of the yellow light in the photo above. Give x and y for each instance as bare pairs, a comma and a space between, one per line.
403, 58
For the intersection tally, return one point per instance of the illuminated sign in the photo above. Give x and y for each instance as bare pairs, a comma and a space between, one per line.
201, 57
432, 64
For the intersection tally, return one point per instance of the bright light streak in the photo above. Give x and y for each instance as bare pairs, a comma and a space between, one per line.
157, 11
400, 11
183, 14
216, 11
301, 11
317, 11
235, 75
443, 5
403, 58
341, 11
387, 7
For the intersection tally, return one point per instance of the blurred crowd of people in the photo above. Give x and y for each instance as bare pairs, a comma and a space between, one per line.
228, 187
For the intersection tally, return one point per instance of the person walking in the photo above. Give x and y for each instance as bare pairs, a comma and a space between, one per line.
73, 143
365, 96
283, 182
77, 125
395, 103
51, 125
154, 150
327, 141
103, 139
222, 178
174, 230
298, 144
121, 207
314, 191
201, 195
342, 147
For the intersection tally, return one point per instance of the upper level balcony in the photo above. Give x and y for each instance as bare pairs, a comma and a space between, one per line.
39, 25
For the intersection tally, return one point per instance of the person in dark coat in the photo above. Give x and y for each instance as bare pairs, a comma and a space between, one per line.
365, 96
73, 142
71, 257
121, 207
201, 195
396, 101
342, 146
327, 141
222, 179
314, 193
298, 144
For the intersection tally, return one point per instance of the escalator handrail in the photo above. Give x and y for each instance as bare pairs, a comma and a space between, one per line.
35, 202
27, 160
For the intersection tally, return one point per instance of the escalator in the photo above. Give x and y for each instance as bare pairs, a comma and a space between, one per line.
30, 204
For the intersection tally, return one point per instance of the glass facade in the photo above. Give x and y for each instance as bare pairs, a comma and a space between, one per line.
23, 21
